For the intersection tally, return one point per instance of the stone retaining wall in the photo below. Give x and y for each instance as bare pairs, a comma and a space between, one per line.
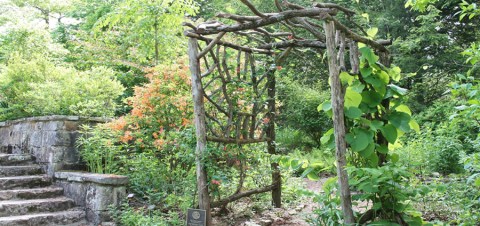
50, 139
94, 192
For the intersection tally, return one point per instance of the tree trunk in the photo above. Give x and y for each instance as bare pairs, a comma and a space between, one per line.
201, 134
338, 123
271, 147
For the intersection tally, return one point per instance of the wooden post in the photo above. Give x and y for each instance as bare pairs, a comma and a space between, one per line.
338, 123
201, 133
271, 147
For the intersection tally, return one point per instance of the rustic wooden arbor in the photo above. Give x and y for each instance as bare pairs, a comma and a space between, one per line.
234, 97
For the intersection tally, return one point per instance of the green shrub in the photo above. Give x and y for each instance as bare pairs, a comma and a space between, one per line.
39, 87
145, 216
299, 109
430, 152
97, 149
289, 139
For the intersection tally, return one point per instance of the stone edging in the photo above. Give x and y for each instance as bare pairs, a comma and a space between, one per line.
55, 118
105, 179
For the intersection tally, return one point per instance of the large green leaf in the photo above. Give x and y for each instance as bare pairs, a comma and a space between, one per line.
359, 139
366, 71
390, 133
384, 77
414, 125
395, 73
357, 86
327, 136
376, 125
403, 108
352, 98
368, 151
400, 120
382, 149
325, 106
398, 90
353, 112
379, 82
346, 78
368, 54
372, 98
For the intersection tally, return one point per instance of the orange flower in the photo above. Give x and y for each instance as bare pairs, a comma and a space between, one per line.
118, 124
185, 122
159, 143
266, 120
137, 112
126, 137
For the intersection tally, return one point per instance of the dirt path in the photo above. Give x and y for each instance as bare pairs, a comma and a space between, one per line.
296, 215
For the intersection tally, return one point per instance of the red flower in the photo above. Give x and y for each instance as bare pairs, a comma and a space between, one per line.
216, 182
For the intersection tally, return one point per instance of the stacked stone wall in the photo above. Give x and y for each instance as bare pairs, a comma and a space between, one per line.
49, 139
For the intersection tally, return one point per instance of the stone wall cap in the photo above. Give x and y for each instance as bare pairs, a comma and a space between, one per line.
55, 118
106, 179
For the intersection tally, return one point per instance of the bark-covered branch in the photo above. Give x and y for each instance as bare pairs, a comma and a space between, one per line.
275, 18
227, 44
293, 43
335, 6
238, 196
235, 141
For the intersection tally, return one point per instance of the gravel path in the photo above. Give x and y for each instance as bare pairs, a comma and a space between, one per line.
273, 217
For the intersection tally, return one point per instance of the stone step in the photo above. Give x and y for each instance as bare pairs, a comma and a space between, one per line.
8, 171
71, 218
15, 159
23, 207
34, 193
24, 182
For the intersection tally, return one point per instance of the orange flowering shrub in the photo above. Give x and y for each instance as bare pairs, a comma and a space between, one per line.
161, 106
155, 140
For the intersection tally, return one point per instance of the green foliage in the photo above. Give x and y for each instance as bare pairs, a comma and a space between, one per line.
36, 86
28, 43
308, 164
289, 139
148, 216
368, 115
98, 151
146, 30
387, 187
299, 108
152, 144
329, 212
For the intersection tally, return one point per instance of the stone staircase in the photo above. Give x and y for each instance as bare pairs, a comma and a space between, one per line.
27, 197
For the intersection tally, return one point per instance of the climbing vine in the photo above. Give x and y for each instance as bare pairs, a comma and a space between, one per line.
376, 117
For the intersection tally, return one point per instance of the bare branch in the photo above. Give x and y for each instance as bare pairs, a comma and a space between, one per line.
227, 140
335, 6
293, 43
227, 44
211, 45
238, 196
252, 8
278, 17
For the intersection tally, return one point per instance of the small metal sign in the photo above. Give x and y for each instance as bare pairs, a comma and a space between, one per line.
196, 217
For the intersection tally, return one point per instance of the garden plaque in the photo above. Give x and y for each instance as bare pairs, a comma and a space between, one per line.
196, 217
